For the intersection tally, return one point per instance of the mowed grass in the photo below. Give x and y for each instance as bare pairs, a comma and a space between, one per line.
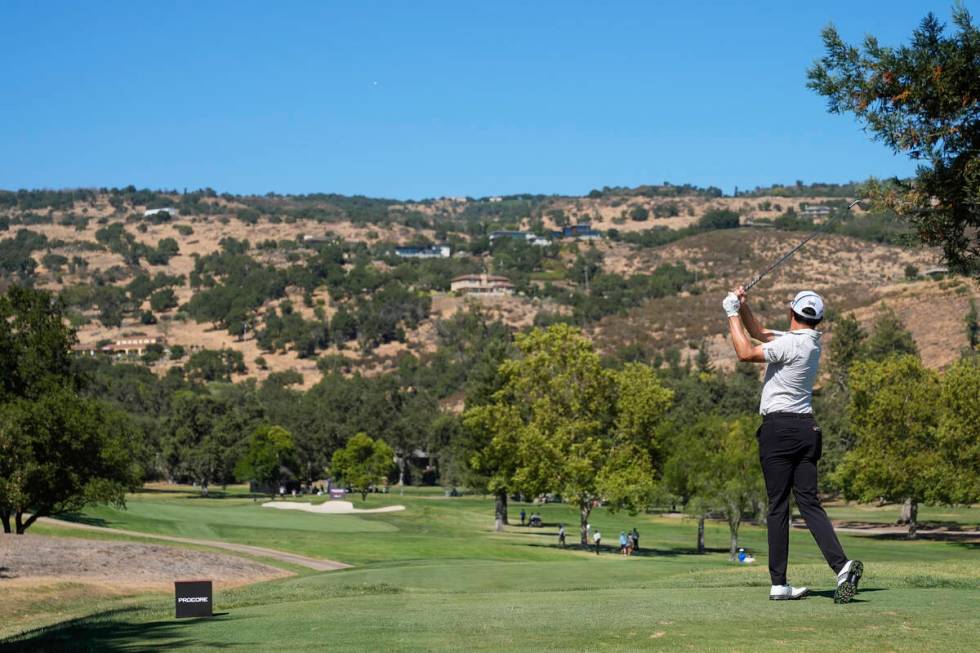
436, 577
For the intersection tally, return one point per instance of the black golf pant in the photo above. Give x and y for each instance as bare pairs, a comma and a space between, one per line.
789, 448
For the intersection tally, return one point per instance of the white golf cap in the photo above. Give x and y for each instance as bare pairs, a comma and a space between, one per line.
808, 304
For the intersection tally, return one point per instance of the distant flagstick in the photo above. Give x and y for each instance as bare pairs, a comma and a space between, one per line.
785, 256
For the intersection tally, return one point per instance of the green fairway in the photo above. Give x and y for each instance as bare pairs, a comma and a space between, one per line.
435, 577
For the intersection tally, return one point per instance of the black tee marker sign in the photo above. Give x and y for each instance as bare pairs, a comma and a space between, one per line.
193, 598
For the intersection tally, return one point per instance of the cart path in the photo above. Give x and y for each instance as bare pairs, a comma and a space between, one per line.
318, 564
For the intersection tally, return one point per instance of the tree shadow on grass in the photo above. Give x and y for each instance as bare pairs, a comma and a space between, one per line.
644, 552
79, 518
161, 490
968, 545
196, 494
969, 540
224, 495
654, 552
108, 631
534, 530
950, 526
951, 532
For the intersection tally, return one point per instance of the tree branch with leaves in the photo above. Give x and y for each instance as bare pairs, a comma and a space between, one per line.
921, 100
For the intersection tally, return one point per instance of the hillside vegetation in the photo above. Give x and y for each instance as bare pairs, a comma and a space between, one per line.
244, 286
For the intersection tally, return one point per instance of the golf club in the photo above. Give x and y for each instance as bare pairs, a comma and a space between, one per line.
803, 242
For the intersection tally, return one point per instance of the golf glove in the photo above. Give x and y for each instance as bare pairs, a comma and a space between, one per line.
731, 305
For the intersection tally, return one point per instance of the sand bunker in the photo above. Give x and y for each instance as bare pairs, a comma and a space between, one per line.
329, 507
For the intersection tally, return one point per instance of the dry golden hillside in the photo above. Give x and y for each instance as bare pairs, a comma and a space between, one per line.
853, 275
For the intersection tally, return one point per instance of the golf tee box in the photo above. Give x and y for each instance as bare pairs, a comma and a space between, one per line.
193, 598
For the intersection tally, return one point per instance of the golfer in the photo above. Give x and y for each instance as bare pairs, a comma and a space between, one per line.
789, 438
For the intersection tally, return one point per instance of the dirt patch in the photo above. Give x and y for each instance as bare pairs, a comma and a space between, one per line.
38, 559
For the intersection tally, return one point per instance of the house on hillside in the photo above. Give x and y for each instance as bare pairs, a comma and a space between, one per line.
581, 231
529, 238
501, 235
482, 284
437, 251
310, 239
86, 350
134, 345
130, 345
817, 211
170, 211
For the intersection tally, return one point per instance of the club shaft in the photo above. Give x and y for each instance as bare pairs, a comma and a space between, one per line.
785, 256
780, 260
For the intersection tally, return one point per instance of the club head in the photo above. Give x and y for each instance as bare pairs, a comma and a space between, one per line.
854, 203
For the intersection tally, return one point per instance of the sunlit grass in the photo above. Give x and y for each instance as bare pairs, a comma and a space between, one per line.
437, 577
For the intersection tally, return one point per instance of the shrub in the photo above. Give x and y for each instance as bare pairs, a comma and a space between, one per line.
639, 214
215, 365
668, 210
152, 354
719, 219
248, 216
163, 300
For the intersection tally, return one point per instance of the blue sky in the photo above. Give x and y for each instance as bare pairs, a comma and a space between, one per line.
422, 99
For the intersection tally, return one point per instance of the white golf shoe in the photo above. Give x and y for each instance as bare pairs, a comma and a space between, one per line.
847, 581
787, 593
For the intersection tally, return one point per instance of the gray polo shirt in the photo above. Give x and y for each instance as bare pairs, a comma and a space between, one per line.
793, 358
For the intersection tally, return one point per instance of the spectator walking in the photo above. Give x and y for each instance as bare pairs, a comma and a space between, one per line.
623, 543
597, 539
636, 539
561, 535
523, 516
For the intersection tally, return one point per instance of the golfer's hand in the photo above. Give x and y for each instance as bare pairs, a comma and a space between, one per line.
731, 304
740, 293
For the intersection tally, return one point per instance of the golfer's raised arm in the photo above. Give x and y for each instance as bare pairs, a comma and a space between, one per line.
752, 325
744, 348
